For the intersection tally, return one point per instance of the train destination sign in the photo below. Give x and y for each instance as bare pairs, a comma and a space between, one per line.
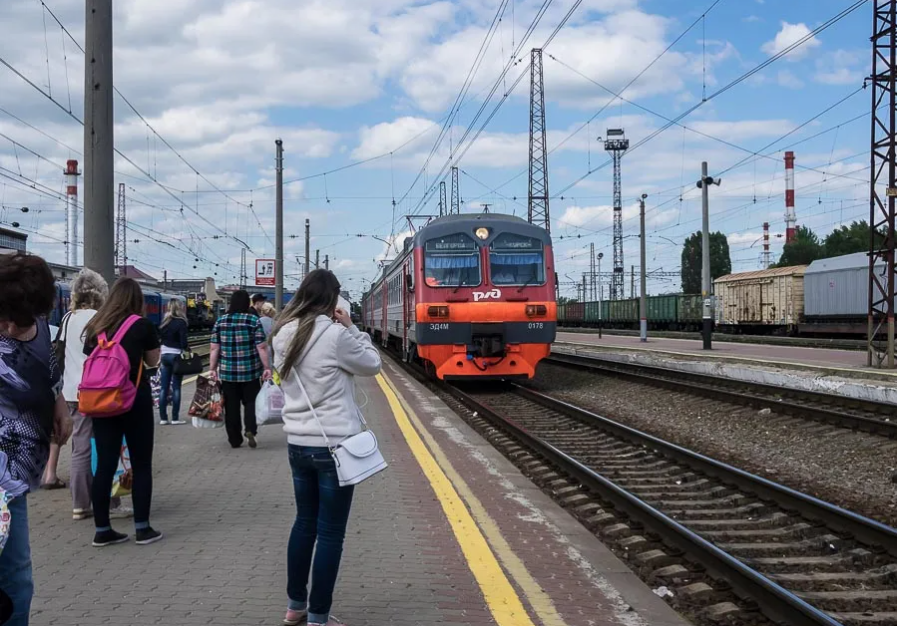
455, 243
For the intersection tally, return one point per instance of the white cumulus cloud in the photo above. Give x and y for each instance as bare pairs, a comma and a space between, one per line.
788, 35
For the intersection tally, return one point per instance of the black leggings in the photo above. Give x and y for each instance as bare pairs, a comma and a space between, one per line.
137, 428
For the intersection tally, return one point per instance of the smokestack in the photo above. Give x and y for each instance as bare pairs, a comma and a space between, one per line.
766, 245
790, 215
71, 212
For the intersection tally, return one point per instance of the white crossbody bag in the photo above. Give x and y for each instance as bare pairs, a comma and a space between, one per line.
357, 457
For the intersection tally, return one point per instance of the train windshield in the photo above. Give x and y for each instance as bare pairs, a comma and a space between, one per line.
517, 260
452, 261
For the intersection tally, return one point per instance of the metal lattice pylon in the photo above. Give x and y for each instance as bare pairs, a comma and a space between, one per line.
121, 232
538, 150
617, 145
884, 186
456, 193
443, 208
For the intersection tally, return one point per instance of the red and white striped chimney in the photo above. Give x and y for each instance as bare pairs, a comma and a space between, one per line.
790, 215
71, 212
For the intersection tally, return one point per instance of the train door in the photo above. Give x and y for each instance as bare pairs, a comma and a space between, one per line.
384, 325
407, 307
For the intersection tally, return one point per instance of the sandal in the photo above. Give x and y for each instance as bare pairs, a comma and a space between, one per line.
56, 484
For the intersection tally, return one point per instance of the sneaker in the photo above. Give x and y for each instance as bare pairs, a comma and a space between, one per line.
177, 422
294, 618
251, 439
79, 514
108, 538
146, 536
164, 422
121, 512
330, 622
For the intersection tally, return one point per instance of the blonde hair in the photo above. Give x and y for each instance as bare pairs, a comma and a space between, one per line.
268, 310
89, 290
175, 310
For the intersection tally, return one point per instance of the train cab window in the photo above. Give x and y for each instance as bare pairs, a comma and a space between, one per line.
452, 261
516, 260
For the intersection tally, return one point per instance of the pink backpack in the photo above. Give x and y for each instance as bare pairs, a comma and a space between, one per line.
106, 389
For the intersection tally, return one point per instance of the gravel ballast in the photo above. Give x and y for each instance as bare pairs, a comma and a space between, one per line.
849, 469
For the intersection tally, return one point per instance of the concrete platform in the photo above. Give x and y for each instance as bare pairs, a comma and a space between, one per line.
841, 372
450, 534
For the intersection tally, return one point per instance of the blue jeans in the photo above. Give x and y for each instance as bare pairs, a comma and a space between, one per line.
322, 512
15, 564
169, 377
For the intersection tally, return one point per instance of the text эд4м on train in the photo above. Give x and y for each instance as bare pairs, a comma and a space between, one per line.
470, 296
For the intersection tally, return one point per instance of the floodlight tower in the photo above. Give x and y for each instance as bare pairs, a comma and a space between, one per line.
617, 144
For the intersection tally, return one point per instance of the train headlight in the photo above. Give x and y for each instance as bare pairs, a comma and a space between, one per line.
535, 310
482, 233
438, 311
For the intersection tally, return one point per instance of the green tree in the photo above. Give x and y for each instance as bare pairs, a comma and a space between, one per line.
847, 239
566, 300
720, 263
805, 249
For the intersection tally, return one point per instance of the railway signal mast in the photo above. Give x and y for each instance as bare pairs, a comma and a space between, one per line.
882, 208
617, 144
538, 149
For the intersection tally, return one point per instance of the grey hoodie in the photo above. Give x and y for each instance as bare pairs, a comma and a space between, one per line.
332, 358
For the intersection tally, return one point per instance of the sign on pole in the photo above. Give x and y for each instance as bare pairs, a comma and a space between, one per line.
264, 272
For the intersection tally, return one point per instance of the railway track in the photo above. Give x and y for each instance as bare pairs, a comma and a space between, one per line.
853, 413
676, 514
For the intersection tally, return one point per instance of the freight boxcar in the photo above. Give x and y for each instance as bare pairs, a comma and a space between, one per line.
761, 302
836, 295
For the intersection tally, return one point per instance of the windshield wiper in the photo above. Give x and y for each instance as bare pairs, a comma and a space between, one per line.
460, 284
528, 282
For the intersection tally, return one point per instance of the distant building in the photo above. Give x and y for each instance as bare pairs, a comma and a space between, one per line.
63, 273
12, 241
141, 277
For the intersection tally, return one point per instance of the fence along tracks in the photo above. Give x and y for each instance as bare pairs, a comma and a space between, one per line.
853, 413
801, 560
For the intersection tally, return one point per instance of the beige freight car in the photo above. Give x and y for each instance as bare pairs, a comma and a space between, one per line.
760, 301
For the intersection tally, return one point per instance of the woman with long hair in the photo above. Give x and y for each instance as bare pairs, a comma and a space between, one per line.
316, 342
32, 411
238, 357
173, 335
136, 426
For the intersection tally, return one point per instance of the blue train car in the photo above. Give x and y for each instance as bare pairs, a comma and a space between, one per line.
156, 304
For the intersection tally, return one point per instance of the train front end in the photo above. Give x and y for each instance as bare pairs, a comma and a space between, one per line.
484, 302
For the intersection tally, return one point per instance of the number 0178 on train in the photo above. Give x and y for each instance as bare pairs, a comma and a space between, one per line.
470, 296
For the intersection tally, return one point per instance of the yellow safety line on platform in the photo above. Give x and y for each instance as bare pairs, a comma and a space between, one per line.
503, 602
540, 601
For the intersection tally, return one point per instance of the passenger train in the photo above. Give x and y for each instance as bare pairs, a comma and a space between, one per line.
156, 304
470, 295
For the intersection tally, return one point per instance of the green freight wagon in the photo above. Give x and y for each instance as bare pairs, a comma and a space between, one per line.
621, 312
662, 310
691, 310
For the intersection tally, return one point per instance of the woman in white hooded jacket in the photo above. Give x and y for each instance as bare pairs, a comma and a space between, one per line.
316, 342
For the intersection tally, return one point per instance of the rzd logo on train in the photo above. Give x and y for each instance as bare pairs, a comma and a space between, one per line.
495, 294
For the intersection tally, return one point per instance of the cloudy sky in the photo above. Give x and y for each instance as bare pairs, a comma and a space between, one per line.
375, 99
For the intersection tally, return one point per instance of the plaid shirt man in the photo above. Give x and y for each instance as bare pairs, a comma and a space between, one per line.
239, 335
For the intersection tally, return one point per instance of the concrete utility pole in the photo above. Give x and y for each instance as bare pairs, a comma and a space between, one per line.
317, 259
99, 183
326, 261
632, 281
706, 287
643, 296
278, 243
307, 246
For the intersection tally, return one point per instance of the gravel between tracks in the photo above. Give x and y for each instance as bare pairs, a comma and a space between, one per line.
852, 470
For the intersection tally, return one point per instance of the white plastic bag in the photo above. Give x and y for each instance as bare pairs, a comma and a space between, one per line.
269, 405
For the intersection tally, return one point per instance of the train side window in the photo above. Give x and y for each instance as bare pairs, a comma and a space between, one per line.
516, 260
452, 261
